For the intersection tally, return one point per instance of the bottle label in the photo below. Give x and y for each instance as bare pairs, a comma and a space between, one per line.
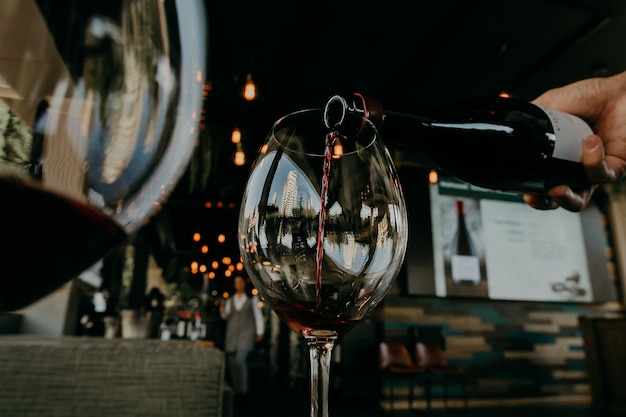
569, 133
465, 268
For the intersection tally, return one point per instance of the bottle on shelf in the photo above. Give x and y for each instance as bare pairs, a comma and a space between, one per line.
497, 143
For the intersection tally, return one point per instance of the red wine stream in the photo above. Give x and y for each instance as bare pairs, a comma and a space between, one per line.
331, 137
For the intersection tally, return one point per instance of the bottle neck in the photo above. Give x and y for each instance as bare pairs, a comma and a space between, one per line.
399, 131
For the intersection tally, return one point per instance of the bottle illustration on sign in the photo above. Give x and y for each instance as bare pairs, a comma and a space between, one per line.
464, 260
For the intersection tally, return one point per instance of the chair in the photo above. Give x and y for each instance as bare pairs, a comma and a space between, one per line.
430, 356
396, 363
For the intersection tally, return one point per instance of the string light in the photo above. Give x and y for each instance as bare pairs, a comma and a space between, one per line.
196, 237
433, 177
221, 238
337, 150
240, 156
249, 89
504, 94
204, 249
235, 137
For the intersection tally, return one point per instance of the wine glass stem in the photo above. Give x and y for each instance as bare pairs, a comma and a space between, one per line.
320, 348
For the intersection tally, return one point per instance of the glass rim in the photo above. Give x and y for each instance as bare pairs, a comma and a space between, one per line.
366, 144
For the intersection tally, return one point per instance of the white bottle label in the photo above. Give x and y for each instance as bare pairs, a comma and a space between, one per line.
465, 268
569, 133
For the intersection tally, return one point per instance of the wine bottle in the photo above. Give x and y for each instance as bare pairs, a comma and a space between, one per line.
497, 143
464, 261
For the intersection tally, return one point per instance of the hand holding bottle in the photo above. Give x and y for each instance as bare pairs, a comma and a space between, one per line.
602, 103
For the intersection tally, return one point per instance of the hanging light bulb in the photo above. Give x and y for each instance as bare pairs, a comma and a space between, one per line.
235, 137
433, 177
240, 156
249, 89
337, 150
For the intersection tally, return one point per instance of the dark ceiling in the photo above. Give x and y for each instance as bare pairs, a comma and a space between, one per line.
409, 55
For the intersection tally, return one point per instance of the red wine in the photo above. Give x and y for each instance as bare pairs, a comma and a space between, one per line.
465, 264
49, 240
330, 140
497, 143
303, 318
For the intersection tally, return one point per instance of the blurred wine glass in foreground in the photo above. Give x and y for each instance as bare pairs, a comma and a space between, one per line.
99, 110
323, 228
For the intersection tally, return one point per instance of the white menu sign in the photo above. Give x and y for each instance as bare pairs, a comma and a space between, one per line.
534, 255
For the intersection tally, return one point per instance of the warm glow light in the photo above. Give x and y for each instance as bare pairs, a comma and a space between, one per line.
255, 291
240, 156
231, 268
221, 238
337, 150
204, 249
249, 89
235, 137
239, 266
504, 94
196, 237
194, 265
227, 273
260, 304
226, 260
208, 204
211, 275
202, 268
433, 177
263, 149
225, 295
220, 204
215, 265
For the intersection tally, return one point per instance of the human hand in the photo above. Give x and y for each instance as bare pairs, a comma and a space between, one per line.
602, 103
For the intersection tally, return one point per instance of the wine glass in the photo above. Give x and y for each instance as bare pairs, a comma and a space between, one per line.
99, 111
323, 229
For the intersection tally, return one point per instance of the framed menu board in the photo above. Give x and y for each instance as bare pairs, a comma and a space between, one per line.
467, 241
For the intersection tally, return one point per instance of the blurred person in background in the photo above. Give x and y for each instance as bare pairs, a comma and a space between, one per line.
244, 328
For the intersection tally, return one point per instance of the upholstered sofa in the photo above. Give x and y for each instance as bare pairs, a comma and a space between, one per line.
80, 376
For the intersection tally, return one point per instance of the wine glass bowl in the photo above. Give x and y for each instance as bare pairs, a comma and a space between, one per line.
323, 225
364, 235
99, 111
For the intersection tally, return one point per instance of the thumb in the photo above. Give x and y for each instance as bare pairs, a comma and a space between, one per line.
594, 161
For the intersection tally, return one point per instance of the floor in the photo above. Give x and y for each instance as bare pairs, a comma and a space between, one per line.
269, 396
